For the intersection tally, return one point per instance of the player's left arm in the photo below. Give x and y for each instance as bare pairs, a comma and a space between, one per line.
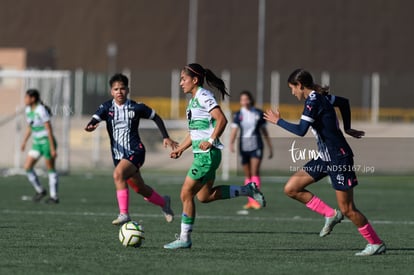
343, 104
265, 134
221, 122
167, 141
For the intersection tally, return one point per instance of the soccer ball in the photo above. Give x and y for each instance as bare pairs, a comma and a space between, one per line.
131, 234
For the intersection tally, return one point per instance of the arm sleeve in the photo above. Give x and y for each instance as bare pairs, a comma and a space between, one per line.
343, 105
297, 129
93, 122
160, 124
236, 122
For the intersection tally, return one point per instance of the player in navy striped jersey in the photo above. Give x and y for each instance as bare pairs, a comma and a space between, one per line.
334, 152
122, 117
252, 126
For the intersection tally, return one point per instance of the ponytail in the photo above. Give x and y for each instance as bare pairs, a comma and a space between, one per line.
196, 70
323, 90
47, 108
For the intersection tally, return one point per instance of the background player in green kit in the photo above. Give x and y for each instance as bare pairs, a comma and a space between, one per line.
206, 123
43, 144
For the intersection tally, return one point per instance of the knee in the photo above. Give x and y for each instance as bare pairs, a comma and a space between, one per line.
117, 176
185, 196
203, 198
290, 191
348, 211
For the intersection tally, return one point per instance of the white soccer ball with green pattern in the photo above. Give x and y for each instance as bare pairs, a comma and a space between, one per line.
131, 234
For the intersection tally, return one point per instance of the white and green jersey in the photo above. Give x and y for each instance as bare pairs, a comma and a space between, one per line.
37, 119
200, 123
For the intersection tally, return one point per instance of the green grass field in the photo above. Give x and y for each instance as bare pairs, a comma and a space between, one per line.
76, 236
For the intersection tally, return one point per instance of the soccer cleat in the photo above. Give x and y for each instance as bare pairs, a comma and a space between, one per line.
52, 201
330, 222
372, 249
166, 210
252, 205
255, 193
121, 219
178, 244
38, 196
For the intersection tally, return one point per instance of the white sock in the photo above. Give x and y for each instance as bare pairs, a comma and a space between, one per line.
236, 191
34, 180
186, 230
53, 184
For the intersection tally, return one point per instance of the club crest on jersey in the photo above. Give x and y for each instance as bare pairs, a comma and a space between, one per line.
312, 96
131, 114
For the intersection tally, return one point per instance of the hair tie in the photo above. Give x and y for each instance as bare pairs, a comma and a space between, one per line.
190, 69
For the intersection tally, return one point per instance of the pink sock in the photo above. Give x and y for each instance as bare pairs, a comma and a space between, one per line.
318, 206
156, 199
122, 196
369, 234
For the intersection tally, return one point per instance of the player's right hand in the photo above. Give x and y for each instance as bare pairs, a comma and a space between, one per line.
355, 133
176, 154
90, 127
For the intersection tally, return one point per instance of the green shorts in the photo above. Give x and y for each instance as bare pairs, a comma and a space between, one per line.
205, 165
42, 148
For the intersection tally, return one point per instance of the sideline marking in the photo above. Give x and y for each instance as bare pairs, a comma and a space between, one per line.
207, 217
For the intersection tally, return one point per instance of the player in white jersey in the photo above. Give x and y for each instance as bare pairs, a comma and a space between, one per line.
252, 126
43, 144
206, 123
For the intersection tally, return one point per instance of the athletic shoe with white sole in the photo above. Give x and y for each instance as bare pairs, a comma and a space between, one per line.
121, 219
372, 249
255, 193
330, 222
166, 210
178, 244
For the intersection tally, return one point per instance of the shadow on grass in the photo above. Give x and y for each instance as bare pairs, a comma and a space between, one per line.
259, 232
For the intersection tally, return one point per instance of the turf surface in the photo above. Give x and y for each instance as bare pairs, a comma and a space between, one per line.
76, 236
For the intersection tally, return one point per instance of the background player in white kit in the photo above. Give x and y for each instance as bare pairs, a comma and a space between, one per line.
38, 117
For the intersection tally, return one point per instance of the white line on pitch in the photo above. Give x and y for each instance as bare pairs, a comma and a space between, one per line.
207, 217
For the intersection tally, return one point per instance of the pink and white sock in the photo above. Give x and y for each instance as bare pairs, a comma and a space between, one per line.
318, 206
123, 200
156, 199
369, 234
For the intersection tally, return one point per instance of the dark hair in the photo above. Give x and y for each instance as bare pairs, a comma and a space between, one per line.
249, 95
119, 78
36, 95
300, 76
196, 70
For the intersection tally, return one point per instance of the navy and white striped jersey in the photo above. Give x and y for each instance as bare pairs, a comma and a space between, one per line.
250, 121
319, 112
122, 124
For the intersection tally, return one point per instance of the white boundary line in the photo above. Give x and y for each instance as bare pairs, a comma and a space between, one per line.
207, 217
